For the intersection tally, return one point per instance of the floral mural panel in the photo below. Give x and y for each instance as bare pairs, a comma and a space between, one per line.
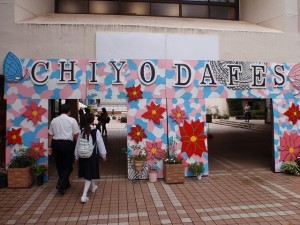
42, 80
147, 76
286, 131
146, 134
187, 131
106, 80
27, 127
218, 79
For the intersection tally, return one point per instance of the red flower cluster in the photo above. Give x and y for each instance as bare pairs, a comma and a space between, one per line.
293, 113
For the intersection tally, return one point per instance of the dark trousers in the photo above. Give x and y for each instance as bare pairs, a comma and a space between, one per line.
64, 158
104, 129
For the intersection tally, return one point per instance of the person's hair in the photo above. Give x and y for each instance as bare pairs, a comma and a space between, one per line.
104, 110
80, 111
89, 118
65, 108
87, 110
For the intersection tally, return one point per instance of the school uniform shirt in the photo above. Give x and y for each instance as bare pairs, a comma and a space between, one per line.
63, 127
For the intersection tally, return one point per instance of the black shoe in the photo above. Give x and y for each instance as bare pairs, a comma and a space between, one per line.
60, 191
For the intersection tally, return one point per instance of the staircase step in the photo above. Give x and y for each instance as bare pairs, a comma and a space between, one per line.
243, 125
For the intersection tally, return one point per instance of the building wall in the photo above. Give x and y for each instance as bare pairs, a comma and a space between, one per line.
268, 30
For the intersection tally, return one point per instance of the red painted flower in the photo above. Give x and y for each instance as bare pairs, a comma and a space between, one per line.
289, 147
192, 137
154, 150
137, 133
178, 115
37, 149
13, 136
293, 113
34, 112
154, 113
134, 93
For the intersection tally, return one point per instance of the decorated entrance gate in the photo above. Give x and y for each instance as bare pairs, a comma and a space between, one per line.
166, 101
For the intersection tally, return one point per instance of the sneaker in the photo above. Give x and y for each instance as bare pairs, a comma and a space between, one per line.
84, 199
95, 188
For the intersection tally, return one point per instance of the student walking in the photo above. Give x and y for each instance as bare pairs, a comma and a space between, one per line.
88, 168
247, 112
63, 131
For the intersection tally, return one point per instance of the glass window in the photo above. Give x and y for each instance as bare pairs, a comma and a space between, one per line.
196, 11
211, 9
135, 8
73, 6
164, 9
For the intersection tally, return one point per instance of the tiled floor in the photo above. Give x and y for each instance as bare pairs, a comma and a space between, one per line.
234, 193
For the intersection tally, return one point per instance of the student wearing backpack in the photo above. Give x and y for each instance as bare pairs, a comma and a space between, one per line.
88, 168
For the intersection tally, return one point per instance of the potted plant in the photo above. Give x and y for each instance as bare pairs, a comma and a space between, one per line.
3, 177
152, 174
174, 170
39, 173
197, 169
291, 168
138, 161
19, 172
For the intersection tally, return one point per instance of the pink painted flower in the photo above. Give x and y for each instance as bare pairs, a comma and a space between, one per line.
178, 115
289, 146
34, 112
37, 149
183, 160
154, 150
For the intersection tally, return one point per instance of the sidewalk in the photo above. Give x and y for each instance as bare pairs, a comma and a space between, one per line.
231, 194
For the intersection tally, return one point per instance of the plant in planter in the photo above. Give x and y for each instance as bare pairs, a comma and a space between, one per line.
39, 173
197, 169
291, 168
19, 171
138, 161
152, 174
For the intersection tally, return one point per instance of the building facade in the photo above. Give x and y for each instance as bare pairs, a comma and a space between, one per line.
267, 32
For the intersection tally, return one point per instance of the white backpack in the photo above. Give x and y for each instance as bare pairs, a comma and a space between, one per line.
85, 147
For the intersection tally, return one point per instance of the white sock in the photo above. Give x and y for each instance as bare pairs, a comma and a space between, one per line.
93, 184
87, 185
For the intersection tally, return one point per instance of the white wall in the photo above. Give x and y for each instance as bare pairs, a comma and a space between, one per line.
277, 14
74, 36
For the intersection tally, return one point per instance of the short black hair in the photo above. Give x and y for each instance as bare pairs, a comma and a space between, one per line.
87, 110
65, 108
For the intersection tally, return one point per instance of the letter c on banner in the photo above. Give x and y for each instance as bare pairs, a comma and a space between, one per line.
33, 77
142, 74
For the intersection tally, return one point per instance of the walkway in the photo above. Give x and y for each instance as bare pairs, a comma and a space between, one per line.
231, 194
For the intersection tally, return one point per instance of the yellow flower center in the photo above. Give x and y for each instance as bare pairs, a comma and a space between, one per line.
154, 111
34, 113
36, 149
295, 113
134, 93
193, 139
178, 115
14, 136
138, 133
291, 149
153, 150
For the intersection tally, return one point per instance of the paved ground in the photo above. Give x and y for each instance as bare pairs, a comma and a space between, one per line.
241, 189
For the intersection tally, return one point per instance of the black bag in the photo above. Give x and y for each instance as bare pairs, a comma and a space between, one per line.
107, 119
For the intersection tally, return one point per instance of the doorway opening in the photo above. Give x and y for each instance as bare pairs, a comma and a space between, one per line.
116, 139
235, 143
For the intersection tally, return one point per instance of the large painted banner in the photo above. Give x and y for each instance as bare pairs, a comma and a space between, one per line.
166, 101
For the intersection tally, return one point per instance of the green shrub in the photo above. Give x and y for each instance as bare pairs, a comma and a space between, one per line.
291, 168
196, 168
123, 119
